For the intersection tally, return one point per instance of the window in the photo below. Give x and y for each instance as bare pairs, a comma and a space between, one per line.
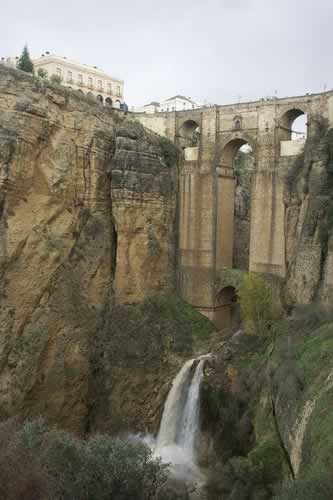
80, 79
118, 90
90, 83
59, 72
69, 77
99, 85
109, 88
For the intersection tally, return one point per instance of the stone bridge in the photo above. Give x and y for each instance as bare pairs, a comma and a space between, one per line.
210, 139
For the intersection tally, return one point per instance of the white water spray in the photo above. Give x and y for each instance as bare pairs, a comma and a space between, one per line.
177, 440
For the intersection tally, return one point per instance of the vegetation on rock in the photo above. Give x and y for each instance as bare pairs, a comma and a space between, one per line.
256, 303
25, 63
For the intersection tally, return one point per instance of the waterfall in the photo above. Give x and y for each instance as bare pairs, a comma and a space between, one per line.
177, 439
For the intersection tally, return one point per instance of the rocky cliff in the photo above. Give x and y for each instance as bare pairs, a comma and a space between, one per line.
87, 211
267, 419
309, 220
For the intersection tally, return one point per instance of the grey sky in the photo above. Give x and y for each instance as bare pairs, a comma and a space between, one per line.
214, 50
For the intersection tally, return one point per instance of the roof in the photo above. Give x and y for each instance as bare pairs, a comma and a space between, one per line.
152, 104
179, 97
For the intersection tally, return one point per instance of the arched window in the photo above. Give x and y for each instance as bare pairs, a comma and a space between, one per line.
237, 123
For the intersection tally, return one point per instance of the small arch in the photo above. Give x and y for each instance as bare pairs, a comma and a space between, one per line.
227, 311
189, 134
108, 101
237, 125
100, 98
226, 296
80, 90
293, 125
231, 148
117, 104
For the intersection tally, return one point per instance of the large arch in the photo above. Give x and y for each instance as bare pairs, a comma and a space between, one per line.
232, 244
108, 101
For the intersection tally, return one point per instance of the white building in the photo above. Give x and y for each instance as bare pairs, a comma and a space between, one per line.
152, 107
176, 103
89, 80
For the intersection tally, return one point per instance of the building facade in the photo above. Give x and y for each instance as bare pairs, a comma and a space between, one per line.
176, 103
86, 79
152, 107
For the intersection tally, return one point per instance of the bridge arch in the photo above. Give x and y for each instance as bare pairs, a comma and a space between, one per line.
233, 195
227, 311
188, 134
289, 123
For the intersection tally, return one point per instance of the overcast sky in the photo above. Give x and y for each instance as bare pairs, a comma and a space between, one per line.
218, 51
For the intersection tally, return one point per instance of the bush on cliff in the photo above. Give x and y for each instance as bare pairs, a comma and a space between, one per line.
41, 463
165, 322
256, 303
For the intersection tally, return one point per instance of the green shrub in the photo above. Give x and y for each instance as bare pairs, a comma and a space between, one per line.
318, 485
54, 464
169, 151
256, 303
55, 80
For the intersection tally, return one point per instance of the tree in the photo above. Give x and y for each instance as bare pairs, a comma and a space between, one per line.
25, 63
256, 303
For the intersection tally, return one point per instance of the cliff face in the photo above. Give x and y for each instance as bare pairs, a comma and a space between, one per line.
309, 222
267, 416
87, 207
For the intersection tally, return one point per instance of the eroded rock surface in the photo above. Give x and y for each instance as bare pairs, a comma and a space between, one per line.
87, 207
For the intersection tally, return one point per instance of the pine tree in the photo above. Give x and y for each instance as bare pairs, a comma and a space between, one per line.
25, 63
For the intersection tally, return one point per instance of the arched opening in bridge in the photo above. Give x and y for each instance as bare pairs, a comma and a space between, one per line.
108, 101
100, 98
293, 132
117, 104
189, 135
227, 311
234, 180
293, 125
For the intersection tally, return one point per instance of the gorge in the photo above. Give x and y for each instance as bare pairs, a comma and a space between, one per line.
109, 250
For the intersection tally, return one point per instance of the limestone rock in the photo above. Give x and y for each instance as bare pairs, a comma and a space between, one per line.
87, 208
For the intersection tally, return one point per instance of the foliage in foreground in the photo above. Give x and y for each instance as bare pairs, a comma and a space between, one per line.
41, 463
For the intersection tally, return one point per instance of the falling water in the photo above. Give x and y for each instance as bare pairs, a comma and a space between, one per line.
180, 424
